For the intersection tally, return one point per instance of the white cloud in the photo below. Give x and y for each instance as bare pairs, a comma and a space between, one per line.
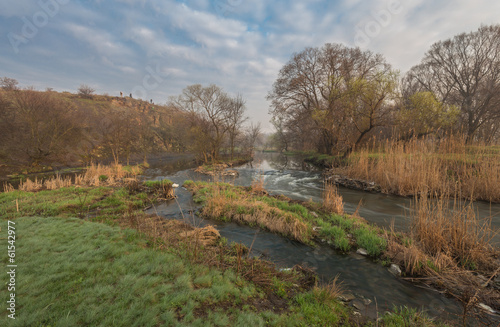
240, 47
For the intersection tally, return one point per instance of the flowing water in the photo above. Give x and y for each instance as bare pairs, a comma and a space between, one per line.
375, 288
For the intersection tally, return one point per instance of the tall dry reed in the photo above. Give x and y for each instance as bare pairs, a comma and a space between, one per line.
447, 166
447, 229
94, 175
332, 200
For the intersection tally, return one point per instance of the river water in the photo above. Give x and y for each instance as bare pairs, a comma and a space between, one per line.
375, 288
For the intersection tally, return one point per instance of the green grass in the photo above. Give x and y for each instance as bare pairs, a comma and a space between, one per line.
368, 239
73, 272
72, 202
404, 316
156, 184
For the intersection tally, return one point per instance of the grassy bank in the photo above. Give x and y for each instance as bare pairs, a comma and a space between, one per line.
447, 249
303, 222
137, 270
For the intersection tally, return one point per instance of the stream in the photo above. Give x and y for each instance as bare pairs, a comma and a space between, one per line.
375, 289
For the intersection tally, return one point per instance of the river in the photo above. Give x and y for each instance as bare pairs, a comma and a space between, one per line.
375, 288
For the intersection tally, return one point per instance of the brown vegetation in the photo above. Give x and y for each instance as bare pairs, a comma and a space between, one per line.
446, 166
332, 200
449, 248
226, 205
94, 175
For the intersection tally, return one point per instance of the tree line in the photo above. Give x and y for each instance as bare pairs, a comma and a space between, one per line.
334, 98
52, 128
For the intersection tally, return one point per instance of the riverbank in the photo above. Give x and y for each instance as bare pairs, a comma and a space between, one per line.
444, 167
14, 174
106, 261
458, 263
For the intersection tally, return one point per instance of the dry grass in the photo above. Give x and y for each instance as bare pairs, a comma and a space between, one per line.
447, 166
172, 231
455, 231
332, 200
234, 204
258, 185
335, 288
449, 248
257, 213
95, 175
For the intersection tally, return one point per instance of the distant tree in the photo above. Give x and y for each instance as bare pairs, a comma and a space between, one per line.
86, 91
252, 137
464, 72
39, 126
8, 84
235, 118
210, 106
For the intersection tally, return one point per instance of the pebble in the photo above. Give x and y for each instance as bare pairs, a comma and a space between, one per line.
394, 269
362, 251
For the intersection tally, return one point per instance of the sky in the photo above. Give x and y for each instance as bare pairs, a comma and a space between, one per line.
154, 49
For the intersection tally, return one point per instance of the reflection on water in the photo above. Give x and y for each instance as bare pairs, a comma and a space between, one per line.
364, 278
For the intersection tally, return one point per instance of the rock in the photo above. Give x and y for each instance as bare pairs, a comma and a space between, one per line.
230, 173
395, 270
367, 301
174, 185
357, 304
314, 214
347, 297
486, 308
317, 228
357, 256
362, 251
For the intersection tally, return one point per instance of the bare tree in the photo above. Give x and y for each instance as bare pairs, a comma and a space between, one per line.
8, 84
252, 136
332, 96
235, 118
464, 72
211, 105
41, 126
86, 91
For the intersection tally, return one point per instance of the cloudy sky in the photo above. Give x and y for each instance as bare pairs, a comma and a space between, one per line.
156, 48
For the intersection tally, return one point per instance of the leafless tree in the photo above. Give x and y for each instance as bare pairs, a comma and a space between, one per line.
39, 126
332, 96
251, 138
211, 105
86, 91
464, 72
235, 119
8, 84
